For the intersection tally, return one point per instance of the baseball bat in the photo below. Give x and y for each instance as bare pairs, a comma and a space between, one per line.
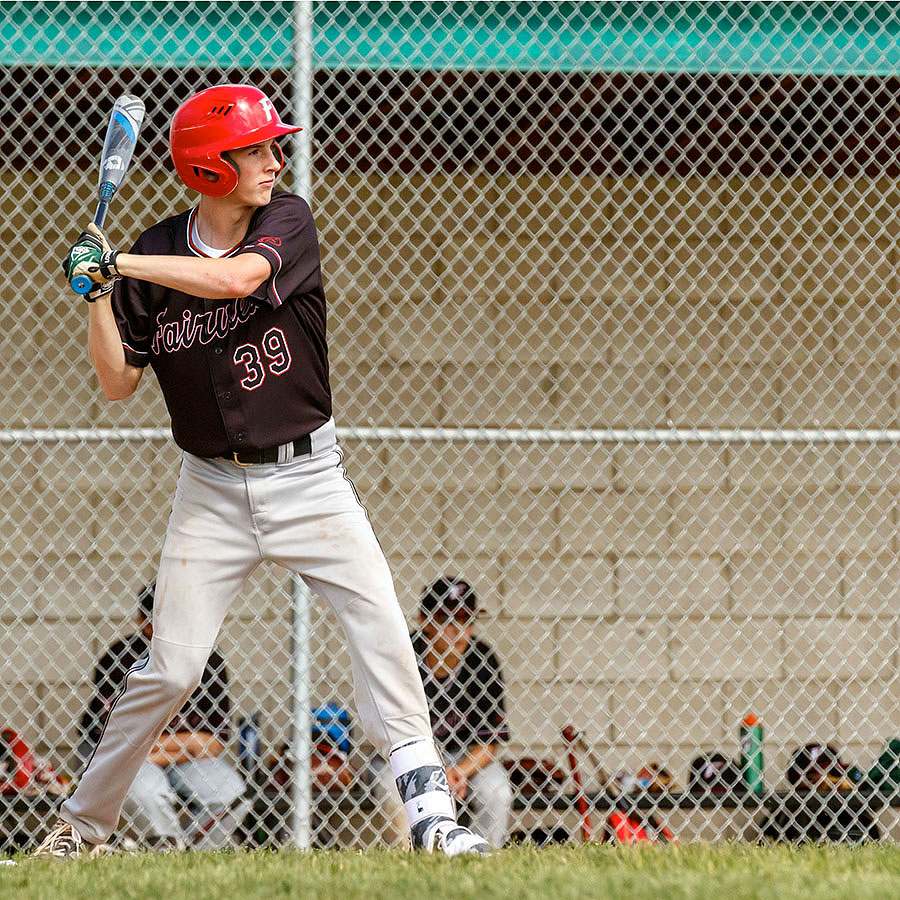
118, 148
571, 737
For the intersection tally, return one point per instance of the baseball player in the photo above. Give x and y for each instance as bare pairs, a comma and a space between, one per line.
465, 693
225, 302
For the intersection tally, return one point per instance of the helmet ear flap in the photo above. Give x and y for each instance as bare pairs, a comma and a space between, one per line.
279, 155
232, 165
226, 177
204, 172
217, 179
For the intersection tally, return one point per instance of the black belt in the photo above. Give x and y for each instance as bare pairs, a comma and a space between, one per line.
302, 447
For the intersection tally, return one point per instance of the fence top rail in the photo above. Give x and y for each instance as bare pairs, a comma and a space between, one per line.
502, 435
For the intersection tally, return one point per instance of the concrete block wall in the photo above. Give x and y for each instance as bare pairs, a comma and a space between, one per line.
650, 594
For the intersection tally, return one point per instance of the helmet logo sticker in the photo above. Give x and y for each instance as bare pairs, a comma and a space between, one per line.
269, 108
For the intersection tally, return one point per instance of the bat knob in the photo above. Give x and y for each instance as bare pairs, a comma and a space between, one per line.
81, 284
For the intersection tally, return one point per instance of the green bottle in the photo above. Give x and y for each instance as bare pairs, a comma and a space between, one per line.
751, 737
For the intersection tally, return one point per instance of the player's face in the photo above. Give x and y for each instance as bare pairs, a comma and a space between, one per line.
258, 165
448, 635
146, 625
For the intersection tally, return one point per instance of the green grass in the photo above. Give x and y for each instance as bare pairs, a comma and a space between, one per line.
736, 872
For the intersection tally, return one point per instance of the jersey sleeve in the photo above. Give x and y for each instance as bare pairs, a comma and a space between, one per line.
208, 708
109, 673
218, 712
131, 306
103, 688
283, 232
490, 708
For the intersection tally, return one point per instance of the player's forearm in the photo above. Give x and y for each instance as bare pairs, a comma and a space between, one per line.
185, 745
117, 378
213, 279
477, 757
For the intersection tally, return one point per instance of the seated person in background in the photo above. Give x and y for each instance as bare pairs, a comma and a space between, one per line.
186, 764
464, 689
823, 806
819, 767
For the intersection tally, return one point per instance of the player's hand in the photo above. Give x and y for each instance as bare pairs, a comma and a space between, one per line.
92, 257
99, 290
459, 784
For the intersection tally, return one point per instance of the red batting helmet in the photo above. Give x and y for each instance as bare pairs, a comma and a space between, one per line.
225, 117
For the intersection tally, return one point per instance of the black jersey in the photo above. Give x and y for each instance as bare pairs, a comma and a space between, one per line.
468, 707
207, 709
251, 372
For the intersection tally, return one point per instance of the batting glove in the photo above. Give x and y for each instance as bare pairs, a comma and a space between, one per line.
92, 257
99, 290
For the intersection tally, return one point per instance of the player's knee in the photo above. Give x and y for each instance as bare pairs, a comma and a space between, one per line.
180, 676
181, 683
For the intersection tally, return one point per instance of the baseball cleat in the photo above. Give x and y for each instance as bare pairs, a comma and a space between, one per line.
63, 842
455, 840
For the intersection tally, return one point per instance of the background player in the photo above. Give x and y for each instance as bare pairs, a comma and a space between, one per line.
225, 302
464, 687
187, 767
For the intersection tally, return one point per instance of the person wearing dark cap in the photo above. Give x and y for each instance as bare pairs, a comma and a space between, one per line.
464, 688
186, 765
823, 804
819, 767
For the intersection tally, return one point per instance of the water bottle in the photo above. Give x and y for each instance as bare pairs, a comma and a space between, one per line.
751, 740
249, 746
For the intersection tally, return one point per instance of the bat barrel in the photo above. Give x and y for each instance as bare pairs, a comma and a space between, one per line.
121, 136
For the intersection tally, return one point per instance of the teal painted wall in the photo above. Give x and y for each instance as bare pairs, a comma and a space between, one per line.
784, 37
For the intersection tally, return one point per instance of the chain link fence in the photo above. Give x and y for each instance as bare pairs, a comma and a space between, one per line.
613, 332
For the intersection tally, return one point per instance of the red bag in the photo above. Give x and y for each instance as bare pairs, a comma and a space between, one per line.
629, 828
626, 829
17, 766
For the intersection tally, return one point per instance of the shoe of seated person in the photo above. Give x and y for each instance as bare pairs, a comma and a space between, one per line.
62, 843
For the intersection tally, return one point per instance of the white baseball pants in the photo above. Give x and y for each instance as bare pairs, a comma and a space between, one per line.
226, 519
